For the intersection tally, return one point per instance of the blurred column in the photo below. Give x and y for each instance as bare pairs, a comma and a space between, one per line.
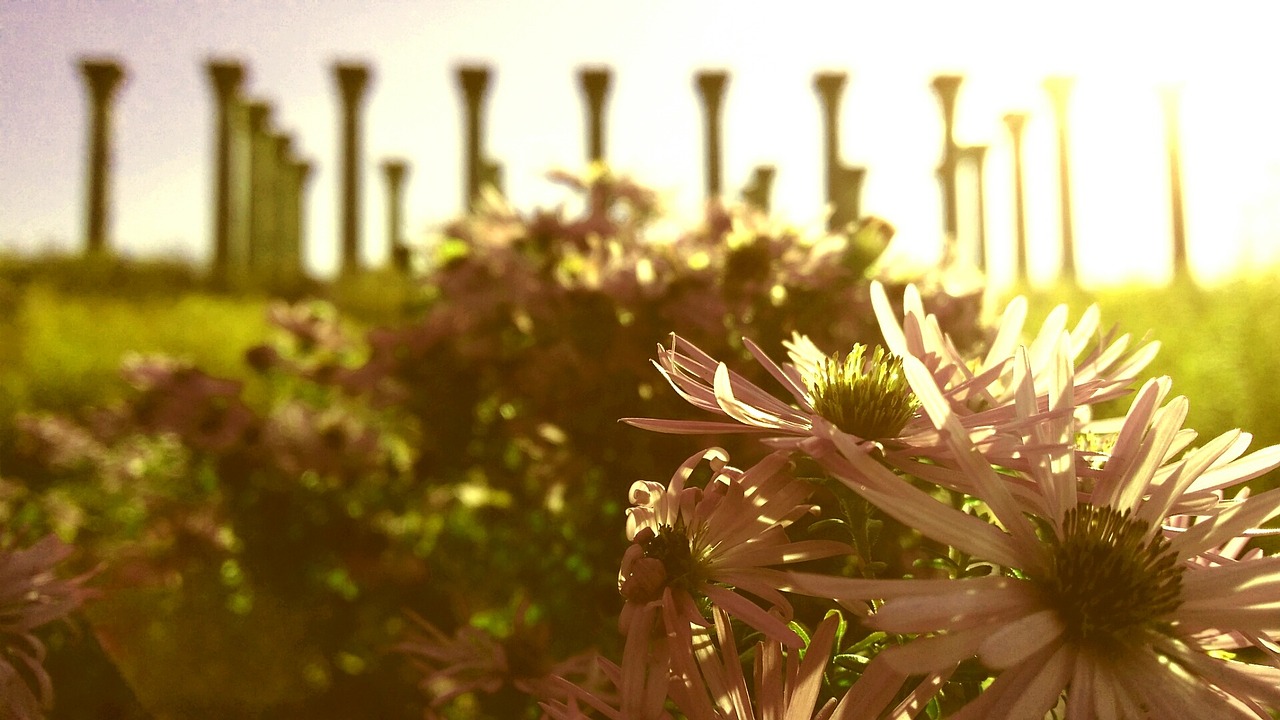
830, 88
711, 86
595, 88
226, 77
301, 172
395, 170
1059, 89
103, 78
474, 82
843, 182
1016, 122
352, 81
1170, 97
972, 157
758, 191
947, 88
284, 262
263, 200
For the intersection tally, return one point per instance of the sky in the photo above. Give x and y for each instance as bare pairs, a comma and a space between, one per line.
1120, 54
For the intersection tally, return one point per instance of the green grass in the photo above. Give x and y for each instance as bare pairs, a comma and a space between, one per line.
62, 350
1217, 344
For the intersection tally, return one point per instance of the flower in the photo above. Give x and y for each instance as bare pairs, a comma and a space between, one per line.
578, 702
691, 543
1104, 373
473, 660
859, 393
1091, 596
786, 687
864, 397
31, 596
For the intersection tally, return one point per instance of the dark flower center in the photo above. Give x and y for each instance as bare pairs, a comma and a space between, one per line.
866, 397
1106, 578
670, 545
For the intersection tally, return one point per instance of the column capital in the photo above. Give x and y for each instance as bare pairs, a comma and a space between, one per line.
1015, 121
594, 81
103, 75
474, 80
259, 115
395, 169
711, 83
353, 79
830, 84
226, 76
303, 168
1059, 88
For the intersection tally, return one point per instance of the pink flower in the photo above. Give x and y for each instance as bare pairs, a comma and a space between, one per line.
1103, 373
31, 596
473, 660
691, 543
1090, 595
786, 687
868, 391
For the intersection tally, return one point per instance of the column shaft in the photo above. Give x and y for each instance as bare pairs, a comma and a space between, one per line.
103, 78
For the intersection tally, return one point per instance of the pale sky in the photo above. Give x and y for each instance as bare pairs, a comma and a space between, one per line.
1120, 53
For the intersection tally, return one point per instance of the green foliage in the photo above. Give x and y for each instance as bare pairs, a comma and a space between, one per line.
1215, 343
62, 349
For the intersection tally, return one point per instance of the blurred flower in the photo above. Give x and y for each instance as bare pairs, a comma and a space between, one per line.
690, 543
473, 660
579, 702
1090, 596
331, 441
31, 595
179, 398
59, 442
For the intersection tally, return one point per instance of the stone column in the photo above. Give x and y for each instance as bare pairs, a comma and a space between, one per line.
830, 87
226, 77
595, 89
843, 182
974, 156
301, 171
1170, 98
758, 191
103, 78
1059, 89
947, 87
711, 86
1016, 122
284, 261
352, 80
395, 170
263, 199
474, 82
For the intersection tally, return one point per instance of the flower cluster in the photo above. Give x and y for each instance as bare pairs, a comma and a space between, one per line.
31, 596
1084, 567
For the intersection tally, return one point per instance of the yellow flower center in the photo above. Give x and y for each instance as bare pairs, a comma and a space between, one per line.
866, 397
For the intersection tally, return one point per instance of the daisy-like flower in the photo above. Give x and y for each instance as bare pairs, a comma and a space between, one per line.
691, 544
31, 596
472, 660
786, 687
1094, 598
864, 396
1105, 365
862, 393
